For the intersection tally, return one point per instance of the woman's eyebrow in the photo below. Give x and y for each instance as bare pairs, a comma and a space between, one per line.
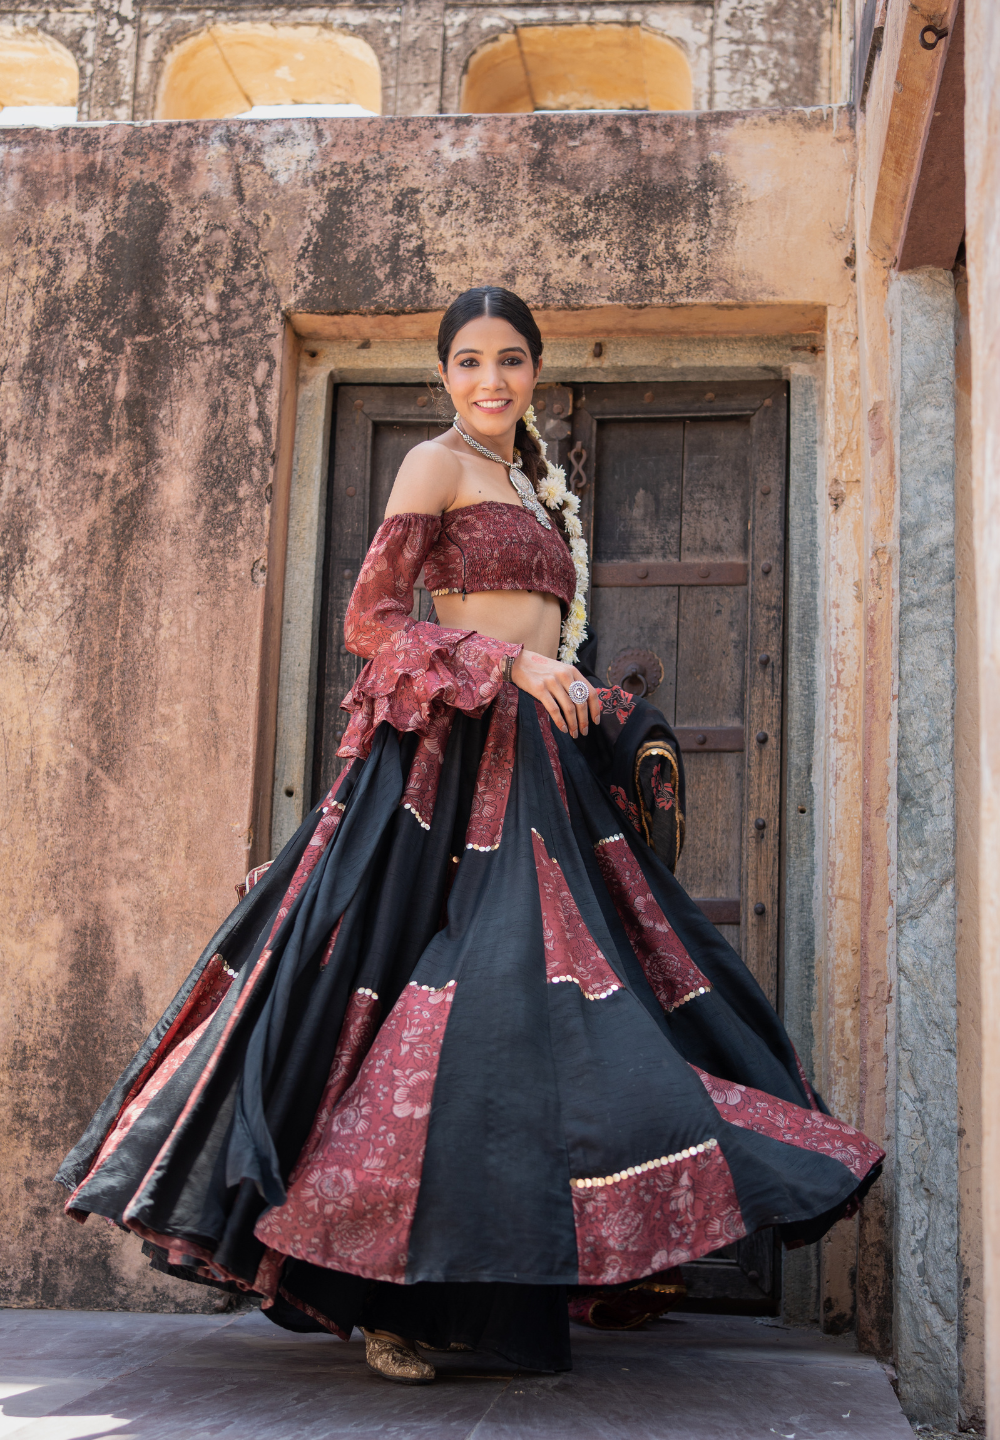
507, 350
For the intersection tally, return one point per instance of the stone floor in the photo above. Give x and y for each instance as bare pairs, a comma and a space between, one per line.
71, 1375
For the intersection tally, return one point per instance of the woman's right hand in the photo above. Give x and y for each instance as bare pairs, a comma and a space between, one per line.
549, 681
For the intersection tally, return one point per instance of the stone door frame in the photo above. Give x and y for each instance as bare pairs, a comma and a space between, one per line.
407, 357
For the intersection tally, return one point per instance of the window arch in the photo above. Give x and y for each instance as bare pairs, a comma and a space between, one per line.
36, 73
229, 69
577, 67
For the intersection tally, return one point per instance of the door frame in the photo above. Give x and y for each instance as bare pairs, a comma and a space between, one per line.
795, 358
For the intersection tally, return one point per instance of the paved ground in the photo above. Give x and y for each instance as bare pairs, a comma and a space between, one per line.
67, 1375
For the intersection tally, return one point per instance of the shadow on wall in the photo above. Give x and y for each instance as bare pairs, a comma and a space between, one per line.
257, 68
39, 80
577, 67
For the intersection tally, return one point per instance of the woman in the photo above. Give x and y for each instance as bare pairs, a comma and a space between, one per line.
467, 1051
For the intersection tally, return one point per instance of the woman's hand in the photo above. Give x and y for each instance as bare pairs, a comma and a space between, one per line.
549, 681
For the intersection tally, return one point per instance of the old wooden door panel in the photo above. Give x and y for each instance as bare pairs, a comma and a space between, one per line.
374, 427
637, 514
693, 572
683, 505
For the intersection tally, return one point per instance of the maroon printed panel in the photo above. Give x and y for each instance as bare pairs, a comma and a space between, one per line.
495, 773
807, 1129
571, 953
673, 976
352, 1203
647, 1222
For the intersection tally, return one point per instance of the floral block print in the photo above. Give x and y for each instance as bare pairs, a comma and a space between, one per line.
357, 1033
658, 1216
425, 770
673, 976
498, 546
415, 670
806, 1129
570, 951
318, 841
617, 702
352, 1203
494, 776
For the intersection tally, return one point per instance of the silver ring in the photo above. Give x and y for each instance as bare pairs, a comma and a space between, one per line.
578, 692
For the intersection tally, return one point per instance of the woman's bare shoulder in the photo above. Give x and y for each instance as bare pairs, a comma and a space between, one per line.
427, 481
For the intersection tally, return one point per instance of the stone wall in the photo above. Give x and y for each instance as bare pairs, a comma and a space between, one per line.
742, 53
982, 200
925, 1272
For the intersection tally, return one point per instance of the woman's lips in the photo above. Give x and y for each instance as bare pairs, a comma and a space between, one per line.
492, 407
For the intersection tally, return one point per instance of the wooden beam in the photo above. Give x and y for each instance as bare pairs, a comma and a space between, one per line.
936, 222
608, 322
899, 110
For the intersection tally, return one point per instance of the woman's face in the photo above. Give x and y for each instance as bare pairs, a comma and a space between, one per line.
489, 376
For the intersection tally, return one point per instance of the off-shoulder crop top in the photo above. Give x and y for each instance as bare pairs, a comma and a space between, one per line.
416, 670
493, 546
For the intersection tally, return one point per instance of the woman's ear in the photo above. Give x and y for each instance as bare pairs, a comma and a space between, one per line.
444, 378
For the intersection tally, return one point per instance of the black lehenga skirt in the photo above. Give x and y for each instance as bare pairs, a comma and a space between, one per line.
466, 1047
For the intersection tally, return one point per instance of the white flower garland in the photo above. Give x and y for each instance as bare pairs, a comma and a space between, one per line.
555, 494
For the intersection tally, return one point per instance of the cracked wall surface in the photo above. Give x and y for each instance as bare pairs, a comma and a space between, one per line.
926, 1140
743, 53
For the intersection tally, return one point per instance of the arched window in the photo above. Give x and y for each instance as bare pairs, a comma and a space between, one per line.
577, 67
231, 69
39, 80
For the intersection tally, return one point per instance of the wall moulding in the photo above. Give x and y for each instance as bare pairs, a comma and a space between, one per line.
599, 323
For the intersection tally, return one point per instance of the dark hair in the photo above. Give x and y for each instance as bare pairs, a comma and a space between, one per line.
505, 305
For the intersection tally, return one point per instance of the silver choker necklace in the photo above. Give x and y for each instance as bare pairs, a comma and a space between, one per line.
520, 481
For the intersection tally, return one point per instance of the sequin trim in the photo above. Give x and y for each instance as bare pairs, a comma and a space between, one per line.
363, 990
484, 848
691, 995
587, 994
632, 1170
608, 840
424, 824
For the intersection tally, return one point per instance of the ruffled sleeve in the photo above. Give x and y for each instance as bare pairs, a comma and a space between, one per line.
415, 669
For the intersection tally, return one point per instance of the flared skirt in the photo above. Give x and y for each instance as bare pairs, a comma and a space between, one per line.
466, 1030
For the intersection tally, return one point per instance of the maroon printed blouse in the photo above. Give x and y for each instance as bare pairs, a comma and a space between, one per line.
496, 546
416, 669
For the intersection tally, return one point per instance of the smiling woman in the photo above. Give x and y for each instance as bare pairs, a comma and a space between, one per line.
467, 1059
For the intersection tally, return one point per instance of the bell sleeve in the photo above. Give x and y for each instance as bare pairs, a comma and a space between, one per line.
415, 669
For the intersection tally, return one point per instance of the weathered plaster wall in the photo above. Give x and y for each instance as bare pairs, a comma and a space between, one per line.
743, 53
925, 1269
972, 1320
839, 1015
802, 749
150, 270
982, 142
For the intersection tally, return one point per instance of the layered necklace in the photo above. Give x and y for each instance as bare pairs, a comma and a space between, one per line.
556, 494
518, 479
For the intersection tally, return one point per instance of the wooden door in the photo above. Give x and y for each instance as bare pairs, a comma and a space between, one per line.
683, 491
374, 427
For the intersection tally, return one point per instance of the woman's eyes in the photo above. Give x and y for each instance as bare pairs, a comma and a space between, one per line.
470, 361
